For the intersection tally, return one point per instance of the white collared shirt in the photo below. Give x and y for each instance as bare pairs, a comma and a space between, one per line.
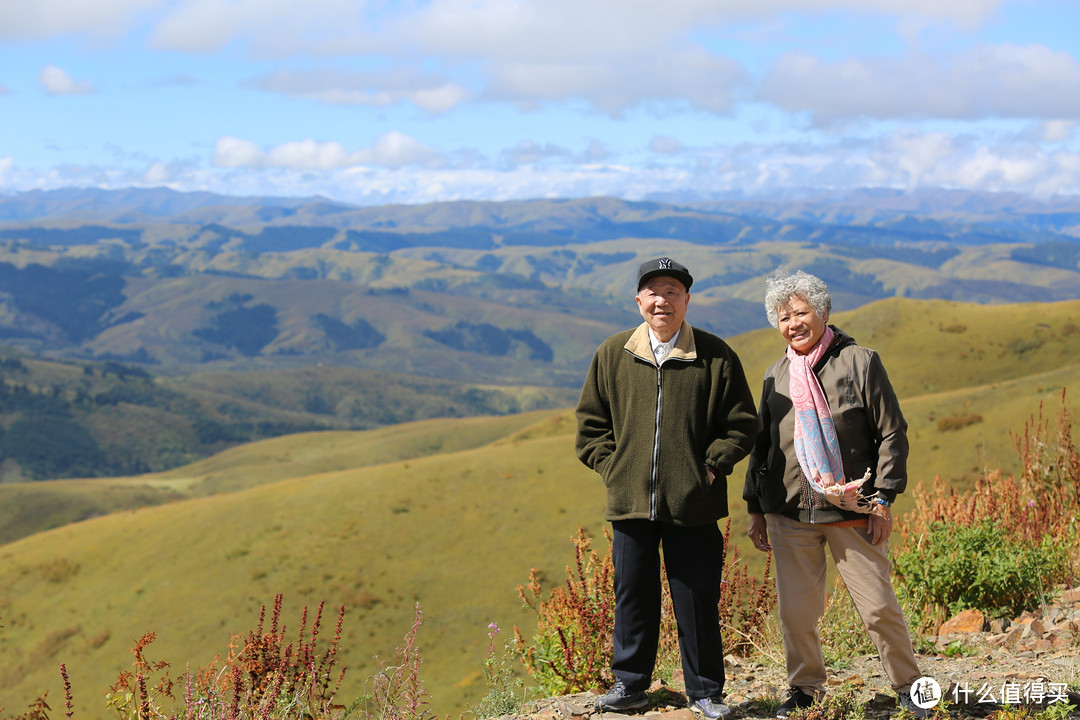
661, 350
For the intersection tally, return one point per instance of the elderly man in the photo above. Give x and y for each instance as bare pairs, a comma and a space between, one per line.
664, 415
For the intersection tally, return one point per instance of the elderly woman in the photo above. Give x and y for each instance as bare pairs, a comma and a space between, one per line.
828, 463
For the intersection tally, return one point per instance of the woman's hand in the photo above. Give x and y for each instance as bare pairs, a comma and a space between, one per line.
879, 527
759, 532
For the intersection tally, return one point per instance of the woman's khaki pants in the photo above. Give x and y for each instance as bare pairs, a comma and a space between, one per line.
799, 555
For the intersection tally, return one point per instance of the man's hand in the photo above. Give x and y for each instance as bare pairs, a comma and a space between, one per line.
759, 532
879, 527
710, 473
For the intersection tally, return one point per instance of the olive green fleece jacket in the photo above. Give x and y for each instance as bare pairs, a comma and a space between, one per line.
650, 431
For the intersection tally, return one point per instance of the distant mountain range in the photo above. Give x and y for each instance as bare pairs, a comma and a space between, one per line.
518, 291
855, 207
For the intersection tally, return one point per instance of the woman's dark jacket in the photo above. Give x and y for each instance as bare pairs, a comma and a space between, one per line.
869, 425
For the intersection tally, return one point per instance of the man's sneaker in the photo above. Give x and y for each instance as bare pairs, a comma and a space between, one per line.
796, 700
711, 708
619, 699
908, 704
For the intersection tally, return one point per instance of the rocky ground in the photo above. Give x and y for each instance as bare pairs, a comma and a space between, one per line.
979, 666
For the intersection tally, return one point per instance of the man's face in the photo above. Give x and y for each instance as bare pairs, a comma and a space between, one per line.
663, 301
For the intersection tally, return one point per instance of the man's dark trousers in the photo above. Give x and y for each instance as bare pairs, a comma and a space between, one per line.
694, 561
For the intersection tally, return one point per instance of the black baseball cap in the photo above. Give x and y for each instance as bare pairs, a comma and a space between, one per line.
663, 266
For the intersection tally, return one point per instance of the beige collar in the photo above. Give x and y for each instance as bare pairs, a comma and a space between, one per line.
640, 344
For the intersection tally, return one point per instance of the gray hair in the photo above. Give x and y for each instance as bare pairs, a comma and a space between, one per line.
784, 284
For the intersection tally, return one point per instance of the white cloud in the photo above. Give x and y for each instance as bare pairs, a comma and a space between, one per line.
393, 149
169, 174
916, 158
57, 81
1057, 130
310, 155
985, 81
692, 76
595, 151
157, 174
443, 98
665, 145
46, 18
431, 93
531, 31
230, 152
613, 54
529, 152
507, 28
271, 28
397, 168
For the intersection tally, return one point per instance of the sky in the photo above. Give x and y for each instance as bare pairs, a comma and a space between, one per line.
415, 101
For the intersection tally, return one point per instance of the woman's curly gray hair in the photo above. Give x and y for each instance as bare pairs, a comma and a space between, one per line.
783, 284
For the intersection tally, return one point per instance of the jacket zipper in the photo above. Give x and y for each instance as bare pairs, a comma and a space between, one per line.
656, 444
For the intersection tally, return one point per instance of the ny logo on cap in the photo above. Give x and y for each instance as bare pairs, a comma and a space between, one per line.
665, 263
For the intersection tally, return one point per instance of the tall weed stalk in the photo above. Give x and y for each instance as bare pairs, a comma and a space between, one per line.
265, 676
397, 691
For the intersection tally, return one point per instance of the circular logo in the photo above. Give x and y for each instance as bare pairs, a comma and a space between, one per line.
925, 693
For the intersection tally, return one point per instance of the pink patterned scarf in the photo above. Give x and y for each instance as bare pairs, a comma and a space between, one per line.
816, 444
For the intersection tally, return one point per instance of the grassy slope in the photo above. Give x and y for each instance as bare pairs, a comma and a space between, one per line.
26, 508
455, 530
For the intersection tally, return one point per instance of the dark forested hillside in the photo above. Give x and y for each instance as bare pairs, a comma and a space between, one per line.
94, 419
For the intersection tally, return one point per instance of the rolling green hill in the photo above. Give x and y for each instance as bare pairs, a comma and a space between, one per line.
447, 513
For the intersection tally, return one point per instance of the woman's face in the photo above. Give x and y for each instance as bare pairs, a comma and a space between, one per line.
800, 324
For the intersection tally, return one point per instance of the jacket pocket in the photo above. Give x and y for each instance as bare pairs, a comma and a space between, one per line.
771, 495
604, 468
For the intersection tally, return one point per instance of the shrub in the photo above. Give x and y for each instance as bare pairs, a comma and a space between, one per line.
977, 566
505, 690
572, 648
999, 546
955, 422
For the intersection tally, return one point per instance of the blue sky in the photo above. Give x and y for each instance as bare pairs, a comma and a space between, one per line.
379, 101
